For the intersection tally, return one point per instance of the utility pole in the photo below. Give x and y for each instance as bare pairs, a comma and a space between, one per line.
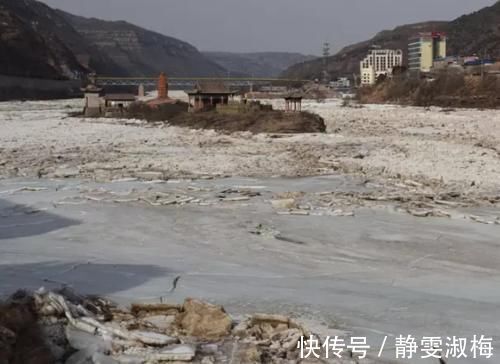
482, 64
326, 55
326, 49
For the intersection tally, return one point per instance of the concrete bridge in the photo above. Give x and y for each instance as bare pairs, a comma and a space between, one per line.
189, 82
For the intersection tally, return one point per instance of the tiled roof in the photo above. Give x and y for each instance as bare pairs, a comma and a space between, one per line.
211, 87
120, 97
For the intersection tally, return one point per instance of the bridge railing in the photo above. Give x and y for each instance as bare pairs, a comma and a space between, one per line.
191, 81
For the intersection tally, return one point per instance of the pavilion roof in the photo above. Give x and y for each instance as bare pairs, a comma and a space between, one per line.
91, 88
120, 97
211, 87
294, 95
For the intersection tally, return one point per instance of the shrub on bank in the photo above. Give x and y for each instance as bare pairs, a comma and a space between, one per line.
450, 88
165, 112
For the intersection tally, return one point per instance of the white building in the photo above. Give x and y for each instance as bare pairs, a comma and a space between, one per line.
379, 62
341, 82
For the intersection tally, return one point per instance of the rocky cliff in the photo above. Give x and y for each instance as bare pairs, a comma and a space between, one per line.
38, 41
28, 47
141, 52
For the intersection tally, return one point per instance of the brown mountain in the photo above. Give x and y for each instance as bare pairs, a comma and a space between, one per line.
27, 47
346, 62
41, 42
141, 52
478, 32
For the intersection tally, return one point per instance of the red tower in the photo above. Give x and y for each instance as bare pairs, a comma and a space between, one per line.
163, 86
162, 98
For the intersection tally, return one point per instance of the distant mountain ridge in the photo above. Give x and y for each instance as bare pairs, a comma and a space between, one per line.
142, 52
29, 48
41, 42
257, 64
478, 32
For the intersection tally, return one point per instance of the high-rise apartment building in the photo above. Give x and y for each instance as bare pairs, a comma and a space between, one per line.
424, 49
379, 62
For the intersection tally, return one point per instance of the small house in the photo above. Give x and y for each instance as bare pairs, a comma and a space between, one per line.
116, 104
118, 100
208, 94
98, 103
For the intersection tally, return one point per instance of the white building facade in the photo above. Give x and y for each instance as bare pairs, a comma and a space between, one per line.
379, 62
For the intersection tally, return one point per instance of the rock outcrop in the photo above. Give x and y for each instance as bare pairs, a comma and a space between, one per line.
28, 48
40, 42
141, 52
65, 327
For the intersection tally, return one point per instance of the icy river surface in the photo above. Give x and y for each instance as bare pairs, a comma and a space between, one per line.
377, 273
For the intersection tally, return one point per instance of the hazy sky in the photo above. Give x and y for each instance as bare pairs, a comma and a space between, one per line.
270, 25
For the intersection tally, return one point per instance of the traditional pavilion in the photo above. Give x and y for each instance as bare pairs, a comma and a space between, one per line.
293, 102
208, 94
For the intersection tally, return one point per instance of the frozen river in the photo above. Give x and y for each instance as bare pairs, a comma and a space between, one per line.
381, 272
374, 274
